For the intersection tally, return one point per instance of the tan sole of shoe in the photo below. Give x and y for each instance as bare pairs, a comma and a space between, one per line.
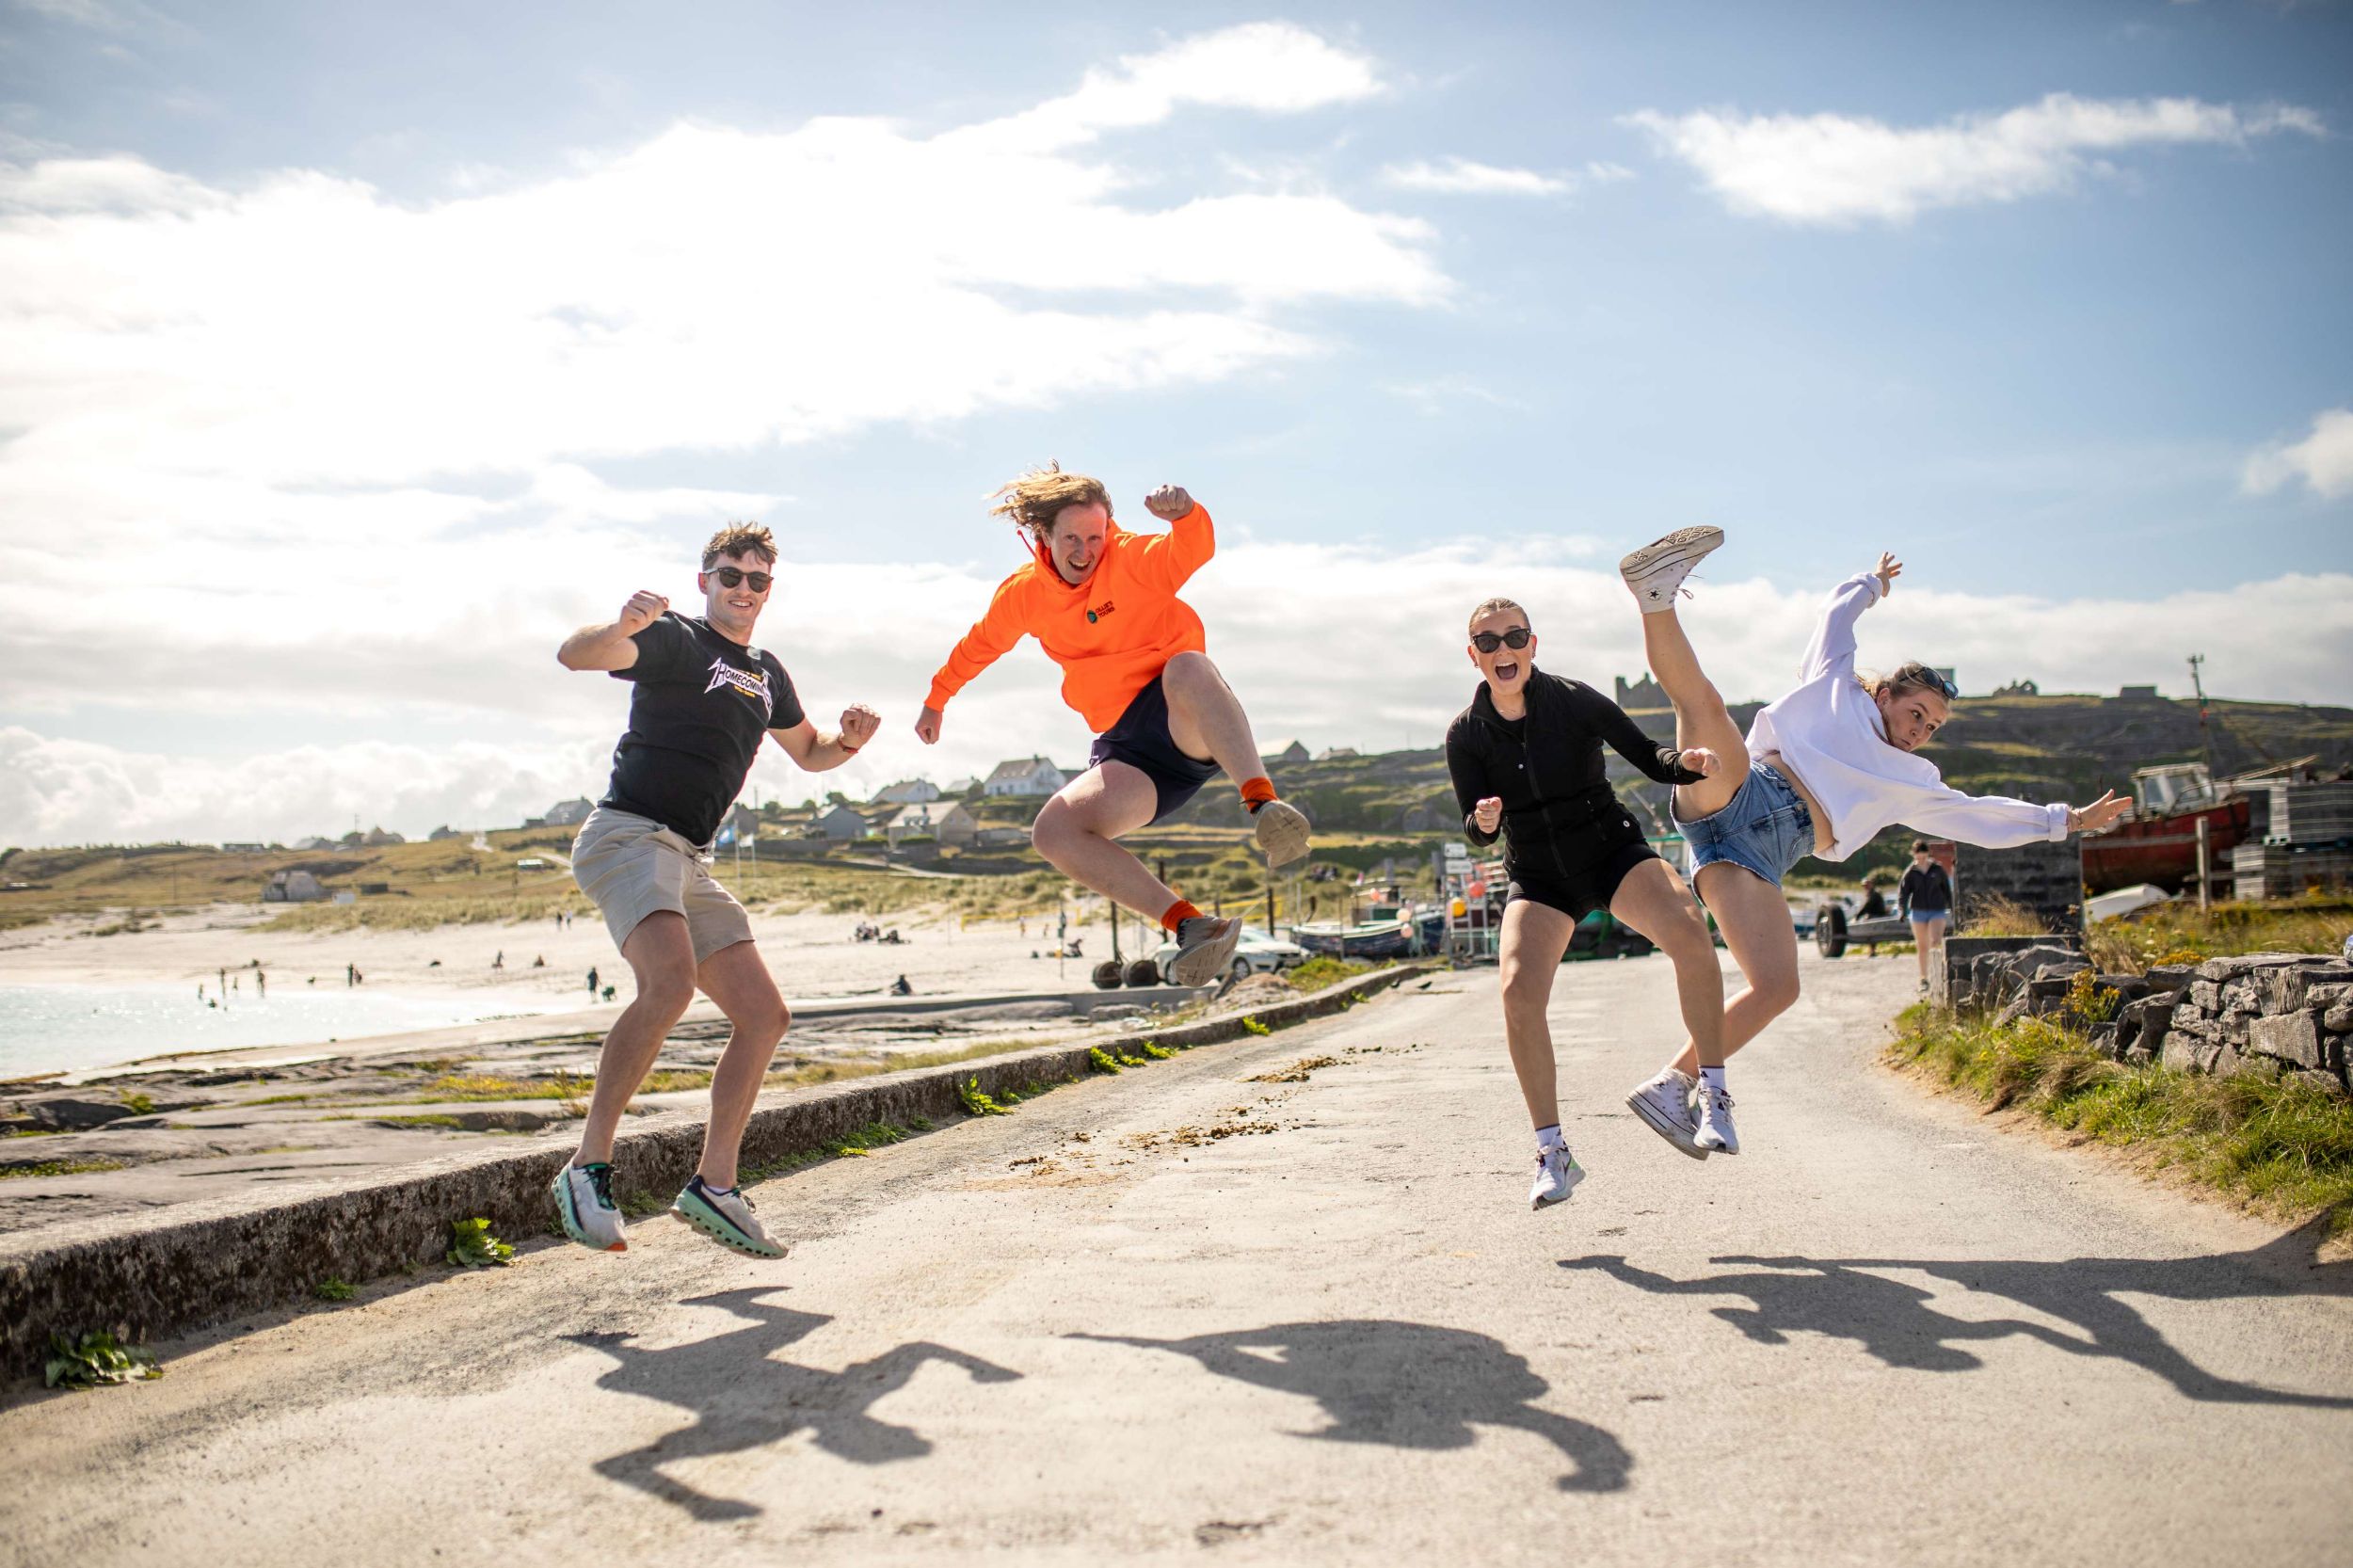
1206, 965
1283, 832
1684, 544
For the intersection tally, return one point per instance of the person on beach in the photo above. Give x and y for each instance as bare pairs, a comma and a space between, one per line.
1525, 761
1102, 603
1925, 897
1820, 772
702, 696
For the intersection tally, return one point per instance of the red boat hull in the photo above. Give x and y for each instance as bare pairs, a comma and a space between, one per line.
2164, 849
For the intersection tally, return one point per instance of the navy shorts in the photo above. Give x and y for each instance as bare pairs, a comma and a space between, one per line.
1142, 740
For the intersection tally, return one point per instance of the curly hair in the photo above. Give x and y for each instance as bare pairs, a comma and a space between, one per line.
741, 539
1036, 499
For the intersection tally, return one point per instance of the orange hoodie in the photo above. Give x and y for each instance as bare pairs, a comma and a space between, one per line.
1111, 636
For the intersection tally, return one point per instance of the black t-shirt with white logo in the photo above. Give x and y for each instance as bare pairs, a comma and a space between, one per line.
701, 704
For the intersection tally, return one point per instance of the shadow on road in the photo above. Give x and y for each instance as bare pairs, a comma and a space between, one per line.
1895, 1323
743, 1399
1408, 1385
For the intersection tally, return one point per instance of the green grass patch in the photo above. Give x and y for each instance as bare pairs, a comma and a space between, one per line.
450, 1123
334, 1291
976, 1102
473, 1246
2282, 1145
96, 1358
2181, 933
865, 1140
61, 1168
1256, 1026
1154, 1052
1316, 973
1102, 1061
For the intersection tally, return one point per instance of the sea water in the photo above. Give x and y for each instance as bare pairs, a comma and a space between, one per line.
67, 1028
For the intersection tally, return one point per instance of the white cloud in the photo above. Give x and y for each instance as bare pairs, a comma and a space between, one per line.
1461, 176
1376, 680
2323, 459
1840, 169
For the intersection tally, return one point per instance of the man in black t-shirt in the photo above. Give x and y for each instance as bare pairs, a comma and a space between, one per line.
702, 696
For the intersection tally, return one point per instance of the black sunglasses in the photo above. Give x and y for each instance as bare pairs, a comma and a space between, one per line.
1487, 642
733, 576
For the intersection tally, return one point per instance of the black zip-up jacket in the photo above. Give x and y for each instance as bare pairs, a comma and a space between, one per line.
1927, 891
1550, 776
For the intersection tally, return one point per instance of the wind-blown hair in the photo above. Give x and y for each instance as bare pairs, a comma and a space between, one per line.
1036, 499
741, 539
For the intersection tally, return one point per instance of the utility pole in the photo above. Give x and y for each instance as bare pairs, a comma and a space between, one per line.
2205, 728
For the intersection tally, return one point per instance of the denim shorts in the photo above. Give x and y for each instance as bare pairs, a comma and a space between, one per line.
1765, 828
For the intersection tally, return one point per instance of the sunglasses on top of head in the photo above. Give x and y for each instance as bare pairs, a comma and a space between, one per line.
734, 576
1487, 642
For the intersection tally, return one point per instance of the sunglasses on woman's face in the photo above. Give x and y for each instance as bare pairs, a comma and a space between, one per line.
734, 577
1487, 642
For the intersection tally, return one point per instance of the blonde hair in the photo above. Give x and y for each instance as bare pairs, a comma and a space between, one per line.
741, 539
1037, 497
1488, 607
1910, 676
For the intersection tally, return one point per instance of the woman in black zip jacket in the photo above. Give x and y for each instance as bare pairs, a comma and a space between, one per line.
1527, 765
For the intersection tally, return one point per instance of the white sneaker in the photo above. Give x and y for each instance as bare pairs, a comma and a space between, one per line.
727, 1218
1657, 569
1714, 1121
1665, 1106
583, 1202
1282, 830
1205, 945
1557, 1176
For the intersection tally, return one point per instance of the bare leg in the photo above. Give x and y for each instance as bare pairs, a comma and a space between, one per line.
1928, 941
663, 958
1204, 717
1654, 901
1755, 920
735, 978
1701, 717
1075, 832
1534, 937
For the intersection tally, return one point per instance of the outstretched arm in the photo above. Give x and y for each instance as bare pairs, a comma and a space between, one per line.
1664, 763
818, 752
613, 646
1832, 648
991, 637
1170, 558
1997, 822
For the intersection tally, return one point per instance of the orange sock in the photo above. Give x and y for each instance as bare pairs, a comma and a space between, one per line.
1175, 915
1256, 792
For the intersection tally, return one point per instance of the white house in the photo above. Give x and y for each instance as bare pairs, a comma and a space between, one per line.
1024, 775
568, 814
908, 822
956, 826
841, 824
907, 791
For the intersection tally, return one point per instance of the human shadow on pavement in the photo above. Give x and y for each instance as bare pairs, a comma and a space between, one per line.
743, 1399
1408, 1385
1894, 1322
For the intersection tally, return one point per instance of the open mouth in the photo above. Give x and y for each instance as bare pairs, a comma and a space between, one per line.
1507, 669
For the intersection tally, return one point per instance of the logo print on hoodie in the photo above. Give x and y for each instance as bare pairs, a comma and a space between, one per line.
1096, 615
752, 683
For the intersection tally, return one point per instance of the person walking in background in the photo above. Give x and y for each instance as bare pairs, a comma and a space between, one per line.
592, 983
703, 699
1925, 897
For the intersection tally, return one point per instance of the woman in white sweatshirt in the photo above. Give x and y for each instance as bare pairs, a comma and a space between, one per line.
1820, 772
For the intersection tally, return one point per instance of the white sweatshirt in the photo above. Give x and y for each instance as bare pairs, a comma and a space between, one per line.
1830, 731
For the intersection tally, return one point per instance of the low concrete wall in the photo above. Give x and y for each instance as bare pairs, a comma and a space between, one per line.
148, 1281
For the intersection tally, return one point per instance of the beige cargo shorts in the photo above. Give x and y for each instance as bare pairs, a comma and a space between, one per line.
632, 867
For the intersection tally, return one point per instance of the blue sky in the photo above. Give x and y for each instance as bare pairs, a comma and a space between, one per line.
395, 343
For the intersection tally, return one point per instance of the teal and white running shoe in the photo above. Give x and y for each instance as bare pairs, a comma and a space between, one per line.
584, 1201
727, 1218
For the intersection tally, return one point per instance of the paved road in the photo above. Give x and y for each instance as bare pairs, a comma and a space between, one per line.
1098, 1328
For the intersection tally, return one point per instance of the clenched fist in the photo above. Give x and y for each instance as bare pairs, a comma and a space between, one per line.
643, 608
1488, 813
858, 724
927, 726
1168, 502
1701, 761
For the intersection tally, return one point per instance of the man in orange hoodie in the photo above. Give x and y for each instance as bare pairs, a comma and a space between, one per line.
1102, 603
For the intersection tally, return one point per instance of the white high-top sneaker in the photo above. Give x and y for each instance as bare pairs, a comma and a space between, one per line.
1665, 1106
1657, 570
1715, 1134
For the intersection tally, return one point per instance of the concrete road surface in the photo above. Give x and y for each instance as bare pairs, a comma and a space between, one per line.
1190, 1314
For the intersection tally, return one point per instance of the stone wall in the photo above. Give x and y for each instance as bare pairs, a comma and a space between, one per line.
2269, 1012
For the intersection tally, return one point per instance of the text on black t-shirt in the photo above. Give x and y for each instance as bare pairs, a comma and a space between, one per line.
700, 705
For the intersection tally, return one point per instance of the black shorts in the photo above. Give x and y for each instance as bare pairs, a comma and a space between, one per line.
1592, 882
1142, 740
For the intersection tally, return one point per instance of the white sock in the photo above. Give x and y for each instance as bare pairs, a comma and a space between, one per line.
1713, 1078
1549, 1138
